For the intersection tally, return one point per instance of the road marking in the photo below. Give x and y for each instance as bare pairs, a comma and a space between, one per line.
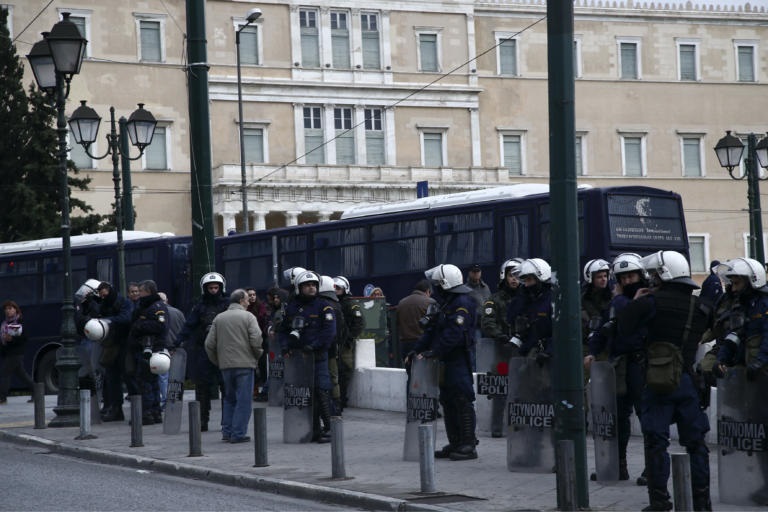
17, 424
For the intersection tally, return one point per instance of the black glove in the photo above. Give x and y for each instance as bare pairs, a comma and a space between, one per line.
501, 339
718, 370
753, 369
732, 340
428, 354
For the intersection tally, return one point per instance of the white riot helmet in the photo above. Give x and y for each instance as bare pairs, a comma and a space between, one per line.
87, 288
670, 266
290, 274
213, 277
306, 277
537, 268
513, 264
160, 362
592, 266
448, 277
628, 262
748, 268
341, 282
326, 286
96, 329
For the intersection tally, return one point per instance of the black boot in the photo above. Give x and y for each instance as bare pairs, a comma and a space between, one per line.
451, 430
467, 441
659, 500
701, 499
113, 414
322, 414
623, 471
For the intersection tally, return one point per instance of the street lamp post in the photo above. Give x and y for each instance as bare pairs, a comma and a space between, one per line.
729, 151
253, 15
84, 124
54, 61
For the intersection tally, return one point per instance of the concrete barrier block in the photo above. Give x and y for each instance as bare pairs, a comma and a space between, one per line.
365, 353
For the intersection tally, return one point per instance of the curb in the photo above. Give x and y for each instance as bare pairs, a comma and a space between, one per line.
258, 483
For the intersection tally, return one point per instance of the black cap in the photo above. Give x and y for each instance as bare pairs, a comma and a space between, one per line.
475, 268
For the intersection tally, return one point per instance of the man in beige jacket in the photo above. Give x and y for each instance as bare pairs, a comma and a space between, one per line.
234, 345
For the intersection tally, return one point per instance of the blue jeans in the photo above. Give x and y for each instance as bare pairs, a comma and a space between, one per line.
236, 403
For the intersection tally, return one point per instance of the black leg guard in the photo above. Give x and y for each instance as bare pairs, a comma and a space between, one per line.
623, 471
322, 413
467, 442
659, 500
701, 499
498, 405
451, 430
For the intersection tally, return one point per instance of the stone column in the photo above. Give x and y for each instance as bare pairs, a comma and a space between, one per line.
259, 221
229, 222
292, 217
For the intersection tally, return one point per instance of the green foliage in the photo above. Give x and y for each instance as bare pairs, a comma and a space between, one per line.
29, 176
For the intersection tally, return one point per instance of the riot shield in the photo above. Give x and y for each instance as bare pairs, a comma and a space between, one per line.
421, 405
602, 394
174, 401
491, 382
530, 415
276, 369
298, 396
742, 430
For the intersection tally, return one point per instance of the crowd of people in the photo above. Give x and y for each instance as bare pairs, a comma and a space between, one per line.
642, 314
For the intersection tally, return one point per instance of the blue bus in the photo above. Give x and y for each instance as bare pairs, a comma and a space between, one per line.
387, 245
31, 274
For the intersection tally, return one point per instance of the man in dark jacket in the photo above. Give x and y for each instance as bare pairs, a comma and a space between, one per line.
410, 310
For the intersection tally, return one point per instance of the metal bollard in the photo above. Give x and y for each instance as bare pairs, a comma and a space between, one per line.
85, 415
137, 439
337, 448
38, 395
427, 457
195, 437
566, 475
681, 482
260, 437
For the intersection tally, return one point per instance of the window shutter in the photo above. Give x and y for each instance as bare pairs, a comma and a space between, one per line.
746, 64
249, 46
428, 49
628, 60
150, 41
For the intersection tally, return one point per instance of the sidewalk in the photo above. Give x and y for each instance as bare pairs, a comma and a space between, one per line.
378, 478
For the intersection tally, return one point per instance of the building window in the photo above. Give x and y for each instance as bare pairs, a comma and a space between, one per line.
156, 154
250, 47
507, 56
150, 35
691, 151
345, 135
78, 155
629, 59
698, 247
82, 20
432, 148
688, 60
577, 57
374, 136
745, 62
340, 40
633, 155
369, 23
428, 52
581, 168
313, 135
512, 153
310, 38
253, 145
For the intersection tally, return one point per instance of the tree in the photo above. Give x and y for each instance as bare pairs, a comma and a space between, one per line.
29, 177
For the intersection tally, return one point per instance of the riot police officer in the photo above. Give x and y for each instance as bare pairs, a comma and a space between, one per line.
213, 300
595, 297
625, 352
354, 324
534, 325
310, 325
449, 336
498, 314
675, 320
148, 335
327, 292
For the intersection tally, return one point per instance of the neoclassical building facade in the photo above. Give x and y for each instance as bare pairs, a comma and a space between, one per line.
347, 102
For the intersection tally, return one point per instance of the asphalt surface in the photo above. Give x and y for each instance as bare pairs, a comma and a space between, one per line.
377, 477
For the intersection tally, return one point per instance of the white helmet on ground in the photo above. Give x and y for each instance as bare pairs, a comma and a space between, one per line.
596, 265
213, 277
87, 288
537, 268
670, 266
627, 262
96, 329
341, 282
748, 268
290, 274
448, 277
160, 362
513, 264
306, 277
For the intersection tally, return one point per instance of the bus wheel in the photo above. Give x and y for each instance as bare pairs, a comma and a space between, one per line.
48, 374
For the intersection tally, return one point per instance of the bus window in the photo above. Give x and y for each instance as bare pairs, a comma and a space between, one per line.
463, 239
516, 236
340, 252
22, 279
53, 280
140, 264
247, 249
255, 271
545, 232
104, 270
399, 247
